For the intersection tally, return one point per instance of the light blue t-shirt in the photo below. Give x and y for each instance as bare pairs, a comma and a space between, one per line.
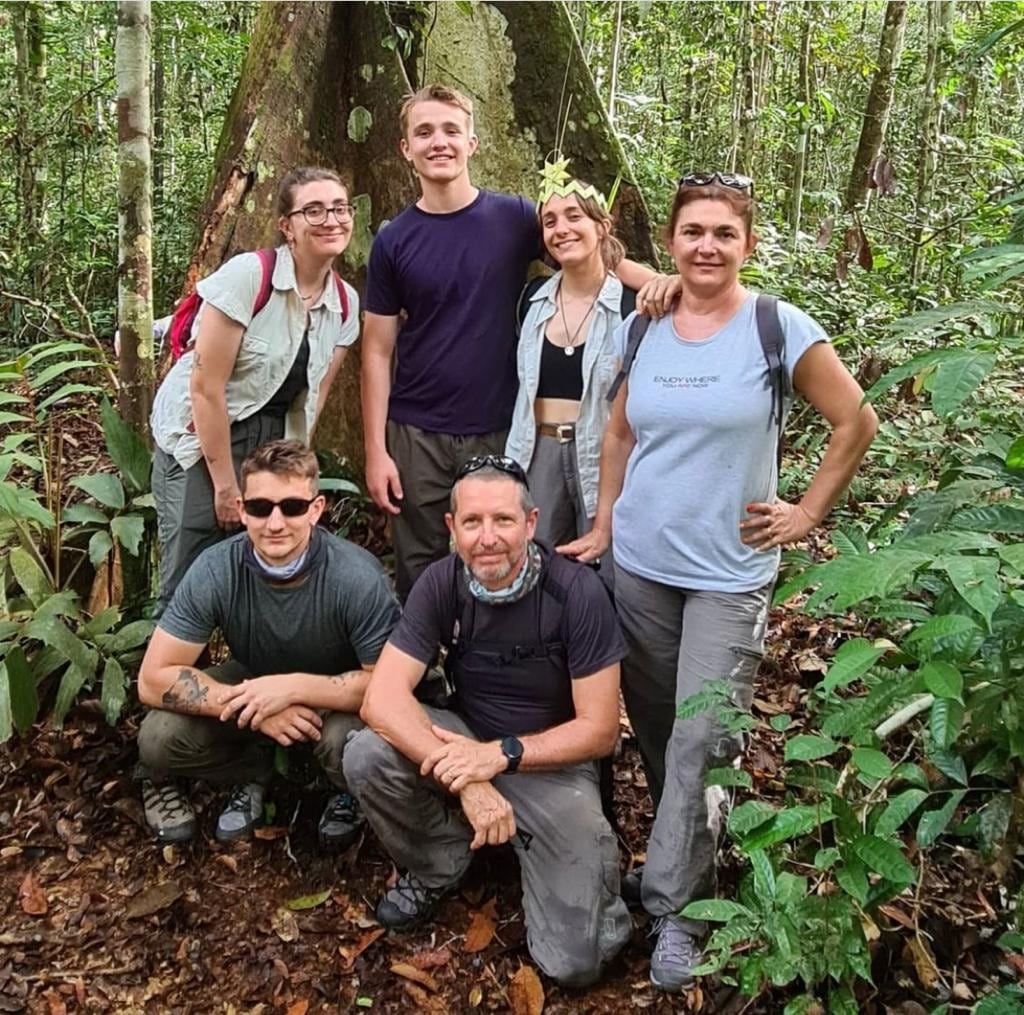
705, 448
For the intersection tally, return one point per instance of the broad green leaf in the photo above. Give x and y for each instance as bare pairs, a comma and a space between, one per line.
24, 698
50, 349
104, 487
712, 696
728, 777
872, 763
54, 632
899, 808
764, 877
128, 530
809, 747
100, 545
71, 683
950, 765
946, 718
977, 581
6, 711
1015, 456
933, 823
715, 910
20, 503
34, 581
64, 391
1011, 941
83, 514
944, 680
779, 723
113, 694
127, 449
944, 626
1003, 1003
55, 370
957, 377
130, 636
10, 398
749, 815
825, 859
335, 485
102, 623
994, 822
853, 879
10, 418
309, 901
1006, 517
886, 858
852, 661
940, 317
899, 374
786, 824
805, 1004
1014, 556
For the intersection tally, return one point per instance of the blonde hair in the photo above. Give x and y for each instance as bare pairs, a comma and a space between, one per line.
611, 248
436, 93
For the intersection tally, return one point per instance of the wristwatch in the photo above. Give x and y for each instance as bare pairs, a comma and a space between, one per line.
512, 748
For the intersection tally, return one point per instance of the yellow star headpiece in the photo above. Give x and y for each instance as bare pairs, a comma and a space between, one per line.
556, 182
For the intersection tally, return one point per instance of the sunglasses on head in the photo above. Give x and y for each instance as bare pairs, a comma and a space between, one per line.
500, 462
263, 507
735, 181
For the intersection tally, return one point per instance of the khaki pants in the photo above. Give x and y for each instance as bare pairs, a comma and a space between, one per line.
576, 920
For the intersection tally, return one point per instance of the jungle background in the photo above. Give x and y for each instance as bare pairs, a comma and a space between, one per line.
873, 854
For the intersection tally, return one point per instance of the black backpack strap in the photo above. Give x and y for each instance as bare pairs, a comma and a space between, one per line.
773, 345
637, 329
523, 306
628, 302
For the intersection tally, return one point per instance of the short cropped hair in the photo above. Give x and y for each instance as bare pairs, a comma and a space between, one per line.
740, 203
282, 458
436, 93
489, 474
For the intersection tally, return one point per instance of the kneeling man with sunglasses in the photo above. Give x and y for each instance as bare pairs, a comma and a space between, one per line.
531, 648
304, 616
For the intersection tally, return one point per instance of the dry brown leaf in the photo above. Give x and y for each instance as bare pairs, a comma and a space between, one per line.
433, 959
298, 1008
423, 1002
152, 900
351, 953
476, 996
55, 1003
285, 926
270, 832
897, 914
410, 972
32, 897
482, 927
227, 860
525, 993
924, 962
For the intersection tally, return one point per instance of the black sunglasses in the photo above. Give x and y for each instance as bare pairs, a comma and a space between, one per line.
500, 462
263, 507
735, 181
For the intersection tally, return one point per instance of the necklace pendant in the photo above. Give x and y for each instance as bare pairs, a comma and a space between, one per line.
570, 350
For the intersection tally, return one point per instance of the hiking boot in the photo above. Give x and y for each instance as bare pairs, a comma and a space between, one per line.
244, 811
340, 823
631, 888
409, 902
168, 812
676, 955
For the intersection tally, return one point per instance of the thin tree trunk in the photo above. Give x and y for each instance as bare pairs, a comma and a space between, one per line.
879, 103
615, 63
135, 213
804, 126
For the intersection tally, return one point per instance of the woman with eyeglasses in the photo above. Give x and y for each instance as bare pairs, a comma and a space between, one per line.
689, 468
270, 336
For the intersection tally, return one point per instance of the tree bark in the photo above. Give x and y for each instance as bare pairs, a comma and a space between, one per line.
879, 102
803, 126
135, 214
322, 83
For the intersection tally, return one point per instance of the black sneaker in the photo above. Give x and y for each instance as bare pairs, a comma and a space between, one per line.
168, 812
244, 811
340, 823
409, 902
631, 888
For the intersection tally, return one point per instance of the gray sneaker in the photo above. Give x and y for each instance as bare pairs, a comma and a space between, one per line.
340, 823
676, 955
168, 812
409, 902
244, 811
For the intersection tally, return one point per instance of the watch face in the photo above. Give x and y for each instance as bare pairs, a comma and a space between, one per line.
512, 748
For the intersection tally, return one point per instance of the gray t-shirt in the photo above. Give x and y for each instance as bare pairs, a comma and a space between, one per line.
705, 448
338, 619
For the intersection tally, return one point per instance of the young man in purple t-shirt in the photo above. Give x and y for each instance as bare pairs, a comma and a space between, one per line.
455, 263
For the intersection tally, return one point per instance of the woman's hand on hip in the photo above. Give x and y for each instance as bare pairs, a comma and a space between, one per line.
775, 524
587, 548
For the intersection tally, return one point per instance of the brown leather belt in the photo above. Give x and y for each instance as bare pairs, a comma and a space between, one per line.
562, 432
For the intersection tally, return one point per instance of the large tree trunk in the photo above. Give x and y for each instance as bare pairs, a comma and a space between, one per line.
323, 84
879, 104
134, 214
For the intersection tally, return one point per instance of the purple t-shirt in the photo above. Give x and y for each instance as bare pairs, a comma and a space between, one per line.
457, 276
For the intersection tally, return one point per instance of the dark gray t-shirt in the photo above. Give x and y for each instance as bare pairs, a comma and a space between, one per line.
338, 619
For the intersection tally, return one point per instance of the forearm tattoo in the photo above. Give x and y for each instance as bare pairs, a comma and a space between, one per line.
186, 694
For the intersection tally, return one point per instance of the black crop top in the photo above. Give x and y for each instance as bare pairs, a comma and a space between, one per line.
561, 376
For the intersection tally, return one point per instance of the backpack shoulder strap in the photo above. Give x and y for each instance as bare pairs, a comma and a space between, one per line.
268, 261
773, 344
523, 306
637, 329
628, 302
342, 295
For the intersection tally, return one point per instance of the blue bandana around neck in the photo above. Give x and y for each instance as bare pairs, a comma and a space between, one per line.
523, 584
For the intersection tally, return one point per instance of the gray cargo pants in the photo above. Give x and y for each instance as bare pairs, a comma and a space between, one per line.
576, 921
199, 747
427, 463
679, 641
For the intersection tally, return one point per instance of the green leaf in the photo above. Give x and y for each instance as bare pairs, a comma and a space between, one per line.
886, 858
802, 1005
128, 530
715, 910
977, 581
6, 716
104, 487
713, 695
70, 684
825, 859
9, 418
1006, 517
728, 777
950, 765
1014, 556
944, 680
940, 317
64, 391
947, 625
49, 349
130, 636
957, 377
947, 716
872, 763
1002, 1003
933, 823
336, 485
10, 398
911, 368
17, 503
34, 581
1011, 941
114, 691
127, 449
100, 545
852, 661
1015, 456
84, 514
309, 901
809, 747
749, 815
779, 723
52, 631
898, 810
787, 824
994, 822
24, 698
52, 372
853, 879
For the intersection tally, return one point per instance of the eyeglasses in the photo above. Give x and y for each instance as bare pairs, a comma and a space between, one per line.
263, 507
500, 462
317, 214
735, 181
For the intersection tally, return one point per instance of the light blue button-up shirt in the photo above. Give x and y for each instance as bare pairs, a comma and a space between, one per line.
600, 365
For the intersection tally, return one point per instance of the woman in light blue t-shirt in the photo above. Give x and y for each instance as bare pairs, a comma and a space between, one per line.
688, 486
